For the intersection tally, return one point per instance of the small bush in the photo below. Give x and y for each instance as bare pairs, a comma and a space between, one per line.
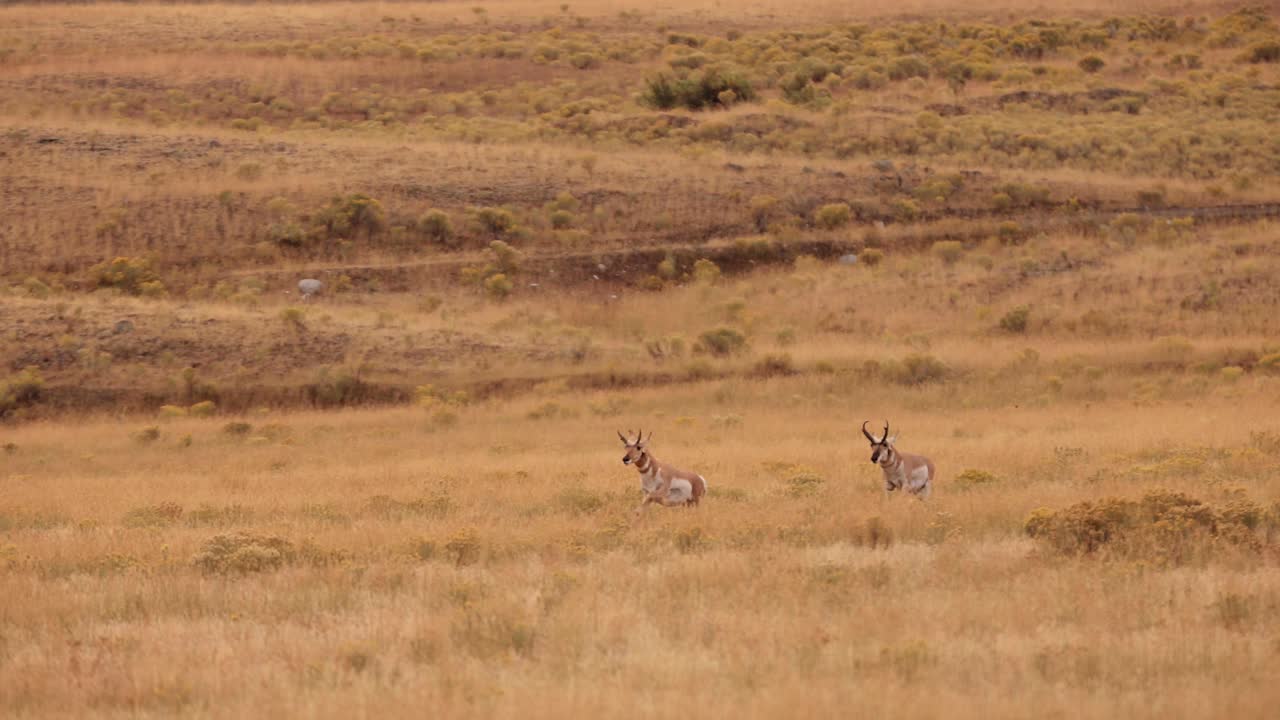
1270, 363
579, 501
584, 61
497, 221
708, 88
832, 216
1015, 321
1165, 527
348, 215
132, 276
463, 548
161, 515
778, 365
35, 288
436, 226
722, 342
1091, 64
706, 272
561, 219
1263, 52
20, 390
225, 516
204, 408
871, 257
973, 478
763, 210
498, 286
147, 435
918, 369
237, 429
948, 251
172, 411
905, 210
245, 553
294, 319
803, 482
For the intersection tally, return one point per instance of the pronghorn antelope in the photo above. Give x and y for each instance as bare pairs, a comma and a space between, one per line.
913, 473
660, 482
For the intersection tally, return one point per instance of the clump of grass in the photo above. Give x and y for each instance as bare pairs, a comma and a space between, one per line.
948, 251
294, 319
488, 633
224, 516
172, 411
204, 408
916, 369
237, 428
691, 540
147, 435
579, 501
871, 257
463, 548
802, 482
388, 508
161, 515
972, 477
722, 342
774, 365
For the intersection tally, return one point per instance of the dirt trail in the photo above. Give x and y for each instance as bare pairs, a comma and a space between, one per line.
630, 266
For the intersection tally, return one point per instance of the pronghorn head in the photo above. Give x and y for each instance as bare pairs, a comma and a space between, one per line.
635, 450
882, 451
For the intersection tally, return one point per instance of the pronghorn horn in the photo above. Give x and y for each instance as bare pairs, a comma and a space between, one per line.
623, 438
886, 431
864, 432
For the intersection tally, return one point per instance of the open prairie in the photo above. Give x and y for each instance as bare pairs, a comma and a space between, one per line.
1041, 243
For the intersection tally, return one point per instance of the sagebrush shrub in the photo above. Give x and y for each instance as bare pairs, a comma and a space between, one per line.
20, 390
132, 276
832, 216
436, 226
1164, 527
1015, 321
722, 342
1091, 64
245, 553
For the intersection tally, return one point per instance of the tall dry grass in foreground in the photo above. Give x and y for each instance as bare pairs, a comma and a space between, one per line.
366, 563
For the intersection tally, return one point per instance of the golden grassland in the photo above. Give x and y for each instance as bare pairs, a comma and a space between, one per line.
491, 567
479, 556
406, 495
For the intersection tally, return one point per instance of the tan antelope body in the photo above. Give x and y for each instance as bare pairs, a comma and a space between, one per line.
902, 471
661, 483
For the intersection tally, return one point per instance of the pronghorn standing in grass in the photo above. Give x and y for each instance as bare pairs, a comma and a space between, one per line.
913, 473
660, 482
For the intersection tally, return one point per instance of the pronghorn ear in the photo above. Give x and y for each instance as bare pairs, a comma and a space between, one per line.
891, 440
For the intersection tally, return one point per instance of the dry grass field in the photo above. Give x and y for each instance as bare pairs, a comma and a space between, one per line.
538, 224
